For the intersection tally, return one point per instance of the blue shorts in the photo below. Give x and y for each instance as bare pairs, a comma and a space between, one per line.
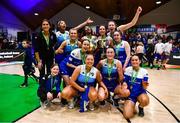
133, 97
158, 56
111, 85
65, 70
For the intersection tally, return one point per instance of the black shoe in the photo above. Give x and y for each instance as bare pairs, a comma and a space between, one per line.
116, 104
158, 68
23, 85
141, 112
163, 67
63, 102
102, 103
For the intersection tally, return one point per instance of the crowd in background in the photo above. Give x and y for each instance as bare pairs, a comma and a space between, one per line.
111, 65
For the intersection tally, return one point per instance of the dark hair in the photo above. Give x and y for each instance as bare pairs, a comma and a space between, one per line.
133, 56
111, 48
54, 65
119, 32
60, 22
112, 21
169, 38
103, 26
86, 39
48, 23
27, 41
88, 55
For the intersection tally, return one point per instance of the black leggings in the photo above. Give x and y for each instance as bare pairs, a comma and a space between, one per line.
42, 94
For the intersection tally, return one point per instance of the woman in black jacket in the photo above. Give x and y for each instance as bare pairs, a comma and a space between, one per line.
44, 48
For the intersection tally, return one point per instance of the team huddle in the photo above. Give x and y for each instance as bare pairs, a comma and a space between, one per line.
92, 70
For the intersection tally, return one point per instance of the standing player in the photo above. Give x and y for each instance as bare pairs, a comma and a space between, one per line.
167, 51
122, 49
159, 50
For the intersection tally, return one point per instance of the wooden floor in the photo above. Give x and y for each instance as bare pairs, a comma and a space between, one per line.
164, 84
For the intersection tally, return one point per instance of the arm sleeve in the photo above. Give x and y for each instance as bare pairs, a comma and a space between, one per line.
127, 76
145, 78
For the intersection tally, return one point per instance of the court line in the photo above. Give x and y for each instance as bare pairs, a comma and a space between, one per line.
128, 120
165, 106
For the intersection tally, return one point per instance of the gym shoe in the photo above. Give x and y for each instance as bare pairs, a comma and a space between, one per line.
102, 103
45, 104
23, 85
91, 106
113, 101
116, 104
163, 67
151, 66
63, 102
71, 104
141, 112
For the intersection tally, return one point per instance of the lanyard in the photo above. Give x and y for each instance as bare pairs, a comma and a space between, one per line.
52, 82
110, 68
133, 77
86, 78
82, 57
117, 47
46, 38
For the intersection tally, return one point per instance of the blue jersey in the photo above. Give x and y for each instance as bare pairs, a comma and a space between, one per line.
89, 78
75, 58
121, 52
135, 87
86, 80
110, 79
70, 47
60, 38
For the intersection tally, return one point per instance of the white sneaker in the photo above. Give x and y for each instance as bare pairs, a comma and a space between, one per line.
71, 104
45, 104
91, 106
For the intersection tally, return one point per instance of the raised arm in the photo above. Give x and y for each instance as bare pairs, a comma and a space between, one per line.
88, 21
132, 23
128, 54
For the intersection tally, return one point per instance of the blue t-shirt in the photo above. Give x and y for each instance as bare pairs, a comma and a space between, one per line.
135, 87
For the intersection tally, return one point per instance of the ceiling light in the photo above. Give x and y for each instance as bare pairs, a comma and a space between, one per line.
158, 2
87, 7
36, 14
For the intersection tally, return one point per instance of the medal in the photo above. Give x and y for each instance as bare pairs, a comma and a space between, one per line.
131, 87
85, 86
133, 78
86, 79
110, 67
